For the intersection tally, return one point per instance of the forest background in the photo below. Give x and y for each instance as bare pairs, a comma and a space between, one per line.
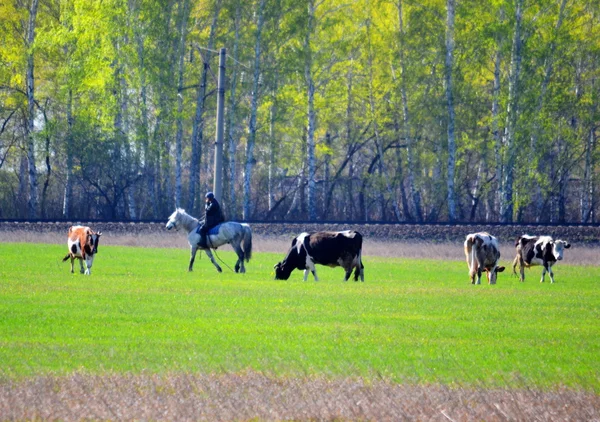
381, 110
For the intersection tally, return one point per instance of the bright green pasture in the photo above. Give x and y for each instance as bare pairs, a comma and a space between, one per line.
415, 321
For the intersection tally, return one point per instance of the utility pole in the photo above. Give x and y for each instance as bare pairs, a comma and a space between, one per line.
218, 175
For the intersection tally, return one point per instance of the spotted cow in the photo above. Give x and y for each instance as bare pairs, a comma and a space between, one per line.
83, 245
482, 253
334, 249
538, 250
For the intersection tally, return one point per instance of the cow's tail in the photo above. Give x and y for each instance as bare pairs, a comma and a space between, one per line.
247, 243
469, 248
66, 257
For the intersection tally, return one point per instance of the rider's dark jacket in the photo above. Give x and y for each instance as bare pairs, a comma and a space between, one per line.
213, 214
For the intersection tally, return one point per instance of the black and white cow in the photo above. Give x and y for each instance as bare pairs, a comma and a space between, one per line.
334, 249
482, 253
538, 250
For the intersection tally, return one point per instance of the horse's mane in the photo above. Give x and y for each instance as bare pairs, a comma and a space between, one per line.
184, 217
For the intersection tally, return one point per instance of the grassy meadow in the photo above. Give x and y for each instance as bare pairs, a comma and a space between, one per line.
412, 321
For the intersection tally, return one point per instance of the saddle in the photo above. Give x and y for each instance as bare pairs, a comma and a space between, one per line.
212, 231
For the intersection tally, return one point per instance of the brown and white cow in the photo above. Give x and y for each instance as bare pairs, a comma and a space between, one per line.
334, 249
483, 253
538, 250
83, 245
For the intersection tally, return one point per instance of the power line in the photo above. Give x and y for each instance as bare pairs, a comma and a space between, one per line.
216, 52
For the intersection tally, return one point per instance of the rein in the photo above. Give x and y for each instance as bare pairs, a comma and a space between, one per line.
216, 254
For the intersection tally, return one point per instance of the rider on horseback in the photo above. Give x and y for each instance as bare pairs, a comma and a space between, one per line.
213, 216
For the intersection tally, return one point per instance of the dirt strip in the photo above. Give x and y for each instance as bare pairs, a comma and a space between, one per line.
578, 254
253, 396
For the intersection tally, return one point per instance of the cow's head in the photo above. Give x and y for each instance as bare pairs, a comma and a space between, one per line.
292, 261
282, 271
93, 239
492, 275
558, 248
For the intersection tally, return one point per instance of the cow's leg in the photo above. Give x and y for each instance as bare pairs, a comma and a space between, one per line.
551, 273
348, 270
72, 262
212, 259
81, 269
362, 271
88, 264
515, 262
310, 266
544, 269
522, 269
478, 275
193, 250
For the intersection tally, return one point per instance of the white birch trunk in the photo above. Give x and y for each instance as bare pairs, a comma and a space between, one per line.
507, 204
311, 119
69, 181
378, 140
179, 122
198, 127
450, 104
29, 135
253, 110
231, 126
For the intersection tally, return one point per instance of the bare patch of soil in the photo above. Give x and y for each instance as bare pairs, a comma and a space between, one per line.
579, 254
254, 396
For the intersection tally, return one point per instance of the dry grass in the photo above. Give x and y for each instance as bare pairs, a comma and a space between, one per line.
577, 255
251, 396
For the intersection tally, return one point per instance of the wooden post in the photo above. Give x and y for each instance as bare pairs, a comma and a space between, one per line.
218, 175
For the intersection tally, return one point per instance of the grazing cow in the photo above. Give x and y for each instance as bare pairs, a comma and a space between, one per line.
538, 250
83, 245
333, 249
483, 253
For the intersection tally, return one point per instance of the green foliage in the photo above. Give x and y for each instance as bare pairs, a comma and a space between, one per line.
417, 321
113, 66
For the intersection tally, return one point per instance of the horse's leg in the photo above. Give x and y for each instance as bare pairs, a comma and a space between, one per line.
212, 259
239, 265
193, 250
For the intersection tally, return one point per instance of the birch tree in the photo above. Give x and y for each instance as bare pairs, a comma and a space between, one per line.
253, 110
29, 132
449, 62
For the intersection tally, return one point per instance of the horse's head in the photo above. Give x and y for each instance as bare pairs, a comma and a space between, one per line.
173, 220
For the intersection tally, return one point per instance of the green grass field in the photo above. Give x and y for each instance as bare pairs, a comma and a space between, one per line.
411, 321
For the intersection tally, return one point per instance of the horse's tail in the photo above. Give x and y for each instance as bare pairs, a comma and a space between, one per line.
247, 242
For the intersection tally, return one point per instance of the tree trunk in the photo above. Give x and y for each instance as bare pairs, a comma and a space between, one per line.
29, 135
69, 170
198, 128
537, 126
450, 103
497, 200
253, 111
231, 118
378, 140
410, 161
507, 204
310, 112
587, 203
179, 120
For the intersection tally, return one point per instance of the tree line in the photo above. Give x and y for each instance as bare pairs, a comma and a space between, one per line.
363, 110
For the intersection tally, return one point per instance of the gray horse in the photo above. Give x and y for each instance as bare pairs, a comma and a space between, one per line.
238, 235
